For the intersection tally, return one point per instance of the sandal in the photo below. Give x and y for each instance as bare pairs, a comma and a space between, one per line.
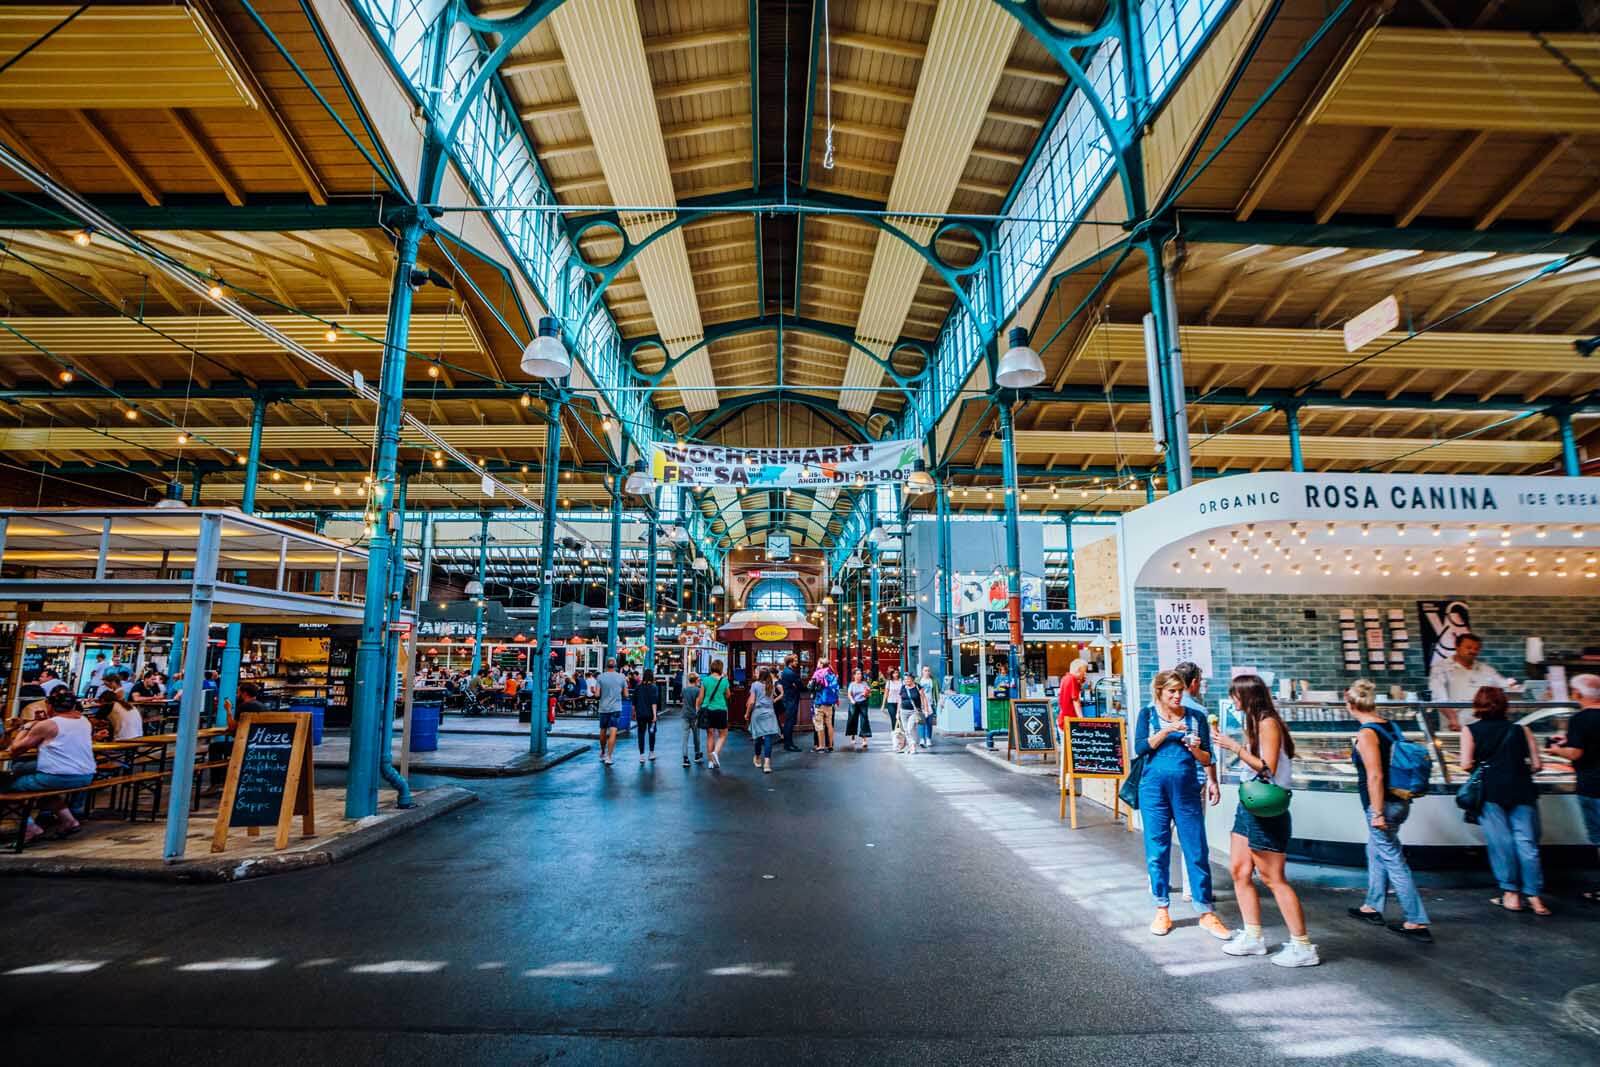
1541, 909
1500, 902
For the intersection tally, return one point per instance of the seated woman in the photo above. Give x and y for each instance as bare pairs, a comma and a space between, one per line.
125, 721
65, 747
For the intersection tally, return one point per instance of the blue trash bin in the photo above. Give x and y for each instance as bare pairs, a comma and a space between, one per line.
425, 725
317, 709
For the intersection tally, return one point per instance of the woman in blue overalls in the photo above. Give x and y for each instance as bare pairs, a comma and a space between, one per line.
1176, 744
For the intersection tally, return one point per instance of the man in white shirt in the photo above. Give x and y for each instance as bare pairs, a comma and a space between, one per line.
49, 682
1459, 678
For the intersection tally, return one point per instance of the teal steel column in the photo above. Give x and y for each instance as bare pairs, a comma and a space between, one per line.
1571, 465
1156, 274
1072, 577
539, 731
194, 487
677, 566
946, 578
482, 597
192, 703
361, 792
1008, 452
614, 568
860, 618
650, 597
232, 648
1291, 415
391, 655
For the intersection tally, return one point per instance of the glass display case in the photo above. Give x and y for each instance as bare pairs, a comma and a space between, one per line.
1323, 734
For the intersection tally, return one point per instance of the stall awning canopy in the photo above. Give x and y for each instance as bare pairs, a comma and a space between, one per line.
766, 626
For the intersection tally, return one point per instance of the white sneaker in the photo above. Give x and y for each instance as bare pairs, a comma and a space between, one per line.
641, 759
1293, 955
1242, 944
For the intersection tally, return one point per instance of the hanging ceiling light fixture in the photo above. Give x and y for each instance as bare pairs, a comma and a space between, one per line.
717, 589
877, 536
1020, 367
836, 590
546, 355
639, 482
920, 481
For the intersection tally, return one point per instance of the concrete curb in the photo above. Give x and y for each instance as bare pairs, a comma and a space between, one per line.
998, 758
522, 765
1582, 1008
431, 803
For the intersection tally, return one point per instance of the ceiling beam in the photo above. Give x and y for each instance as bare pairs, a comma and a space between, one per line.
92, 128
192, 136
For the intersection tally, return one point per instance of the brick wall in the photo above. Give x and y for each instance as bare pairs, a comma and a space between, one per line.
1272, 632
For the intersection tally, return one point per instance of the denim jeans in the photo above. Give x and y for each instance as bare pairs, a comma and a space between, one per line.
1590, 807
1513, 839
1169, 794
789, 712
690, 733
765, 745
1387, 867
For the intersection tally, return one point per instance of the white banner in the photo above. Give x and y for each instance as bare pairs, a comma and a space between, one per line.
877, 463
1183, 634
987, 592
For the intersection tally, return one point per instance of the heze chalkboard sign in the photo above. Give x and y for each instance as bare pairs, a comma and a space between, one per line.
1093, 748
269, 778
1032, 729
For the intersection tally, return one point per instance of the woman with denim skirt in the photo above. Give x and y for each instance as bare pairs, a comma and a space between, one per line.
1509, 758
1176, 745
1259, 844
1385, 812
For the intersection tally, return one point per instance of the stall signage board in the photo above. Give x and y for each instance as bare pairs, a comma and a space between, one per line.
1032, 729
1442, 622
269, 778
1183, 634
771, 632
715, 466
1093, 748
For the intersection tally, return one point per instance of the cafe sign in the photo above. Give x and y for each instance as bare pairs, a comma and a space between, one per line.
772, 632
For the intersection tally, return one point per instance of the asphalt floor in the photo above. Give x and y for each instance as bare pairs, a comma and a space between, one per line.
849, 908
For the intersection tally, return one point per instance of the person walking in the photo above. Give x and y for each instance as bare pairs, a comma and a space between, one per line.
714, 713
1580, 746
1259, 843
857, 726
647, 712
789, 700
1176, 746
911, 705
930, 703
1385, 811
822, 721
764, 727
691, 717
1509, 758
612, 685
891, 704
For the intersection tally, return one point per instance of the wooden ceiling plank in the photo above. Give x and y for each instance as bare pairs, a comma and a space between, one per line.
1545, 310
1455, 158
1579, 210
1229, 288
1405, 383
25, 150
1270, 308
330, 278
1356, 174
119, 158
333, 250
195, 139
1529, 174
1550, 384
59, 295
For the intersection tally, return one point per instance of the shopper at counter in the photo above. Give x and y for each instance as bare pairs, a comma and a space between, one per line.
1176, 746
1260, 843
1070, 696
1459, 678
1510, 817
1581, 746
1385, 812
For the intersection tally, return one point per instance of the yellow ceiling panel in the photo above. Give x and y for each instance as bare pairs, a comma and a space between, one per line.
1467, 80
76, 338
1234, 447
122, 439
100, 58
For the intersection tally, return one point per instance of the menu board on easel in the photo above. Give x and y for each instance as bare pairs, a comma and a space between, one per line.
269, 778
1093, 748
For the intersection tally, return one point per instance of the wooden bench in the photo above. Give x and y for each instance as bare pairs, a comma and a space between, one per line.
22, 805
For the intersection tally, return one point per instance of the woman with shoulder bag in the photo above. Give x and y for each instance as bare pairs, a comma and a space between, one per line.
714, 713
1506, 758
1260, 837
1175, 744
911, 711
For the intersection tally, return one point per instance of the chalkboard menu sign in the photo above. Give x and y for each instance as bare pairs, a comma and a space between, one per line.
1033, 727
1094, 748
269, 778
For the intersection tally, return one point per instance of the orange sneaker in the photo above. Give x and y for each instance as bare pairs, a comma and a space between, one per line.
1214, 926
1161, 925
